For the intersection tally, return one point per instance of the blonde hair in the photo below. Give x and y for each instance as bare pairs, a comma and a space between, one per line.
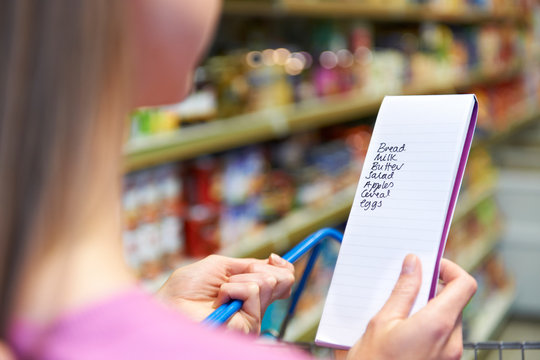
63, 80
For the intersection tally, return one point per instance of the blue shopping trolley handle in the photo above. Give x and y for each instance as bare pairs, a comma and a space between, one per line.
225, 311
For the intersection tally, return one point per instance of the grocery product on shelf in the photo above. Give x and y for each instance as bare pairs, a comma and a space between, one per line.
220, 200
475, 235
153, 218
503, 104
199, 106
152, 121
258, 185
337, 57
480, 173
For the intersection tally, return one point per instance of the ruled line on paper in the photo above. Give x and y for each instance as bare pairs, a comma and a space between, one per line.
413, 199
369, 266
361, 297
395, 228
378, 257
437, 133
362, 276
400, 218
425, 190
337, 292
378, 238
392, 125
428, 210
408, 249
424, 161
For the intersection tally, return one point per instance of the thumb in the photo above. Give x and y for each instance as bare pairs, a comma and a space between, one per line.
401, 301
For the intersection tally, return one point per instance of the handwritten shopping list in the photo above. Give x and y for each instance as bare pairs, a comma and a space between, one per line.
381, 174
403, 204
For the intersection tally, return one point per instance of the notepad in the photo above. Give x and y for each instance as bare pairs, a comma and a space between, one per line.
404, 204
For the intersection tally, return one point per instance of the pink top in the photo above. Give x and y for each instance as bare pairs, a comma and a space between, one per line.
134, 326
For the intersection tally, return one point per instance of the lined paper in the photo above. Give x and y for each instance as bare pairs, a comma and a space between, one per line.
403, 200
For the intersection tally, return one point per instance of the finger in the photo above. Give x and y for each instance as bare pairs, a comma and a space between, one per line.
458, 289
248, 293
401, 301
340, 354
266, 282
440, 287
238, 266
277, 260
439, 332
284, 276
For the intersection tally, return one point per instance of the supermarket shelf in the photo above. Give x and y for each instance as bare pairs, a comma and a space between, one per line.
285, 233
490, 77
223, 134
374, 11
524, 120
294, 227
493, 313
282, 235
470, 199
474, 255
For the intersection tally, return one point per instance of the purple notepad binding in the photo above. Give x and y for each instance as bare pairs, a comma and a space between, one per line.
453, 198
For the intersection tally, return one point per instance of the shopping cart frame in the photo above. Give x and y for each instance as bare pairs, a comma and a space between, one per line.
501, 346
313, 243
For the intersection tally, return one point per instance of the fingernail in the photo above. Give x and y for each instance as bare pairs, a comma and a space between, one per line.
409, 264
276, 259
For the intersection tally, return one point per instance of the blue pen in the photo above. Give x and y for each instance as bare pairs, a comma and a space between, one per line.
225, 311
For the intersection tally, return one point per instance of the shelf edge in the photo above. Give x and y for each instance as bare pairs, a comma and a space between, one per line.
274, 123
371, 12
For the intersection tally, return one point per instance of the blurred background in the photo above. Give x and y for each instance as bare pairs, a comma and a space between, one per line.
270, 144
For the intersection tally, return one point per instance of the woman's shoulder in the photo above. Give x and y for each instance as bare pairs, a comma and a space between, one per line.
130, 325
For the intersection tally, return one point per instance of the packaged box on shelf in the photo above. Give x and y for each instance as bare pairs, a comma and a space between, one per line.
202, 194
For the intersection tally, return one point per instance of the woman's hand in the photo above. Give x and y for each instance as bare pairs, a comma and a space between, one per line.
434, 332
199, 288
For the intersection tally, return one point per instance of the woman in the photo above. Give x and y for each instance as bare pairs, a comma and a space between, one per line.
70, 71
